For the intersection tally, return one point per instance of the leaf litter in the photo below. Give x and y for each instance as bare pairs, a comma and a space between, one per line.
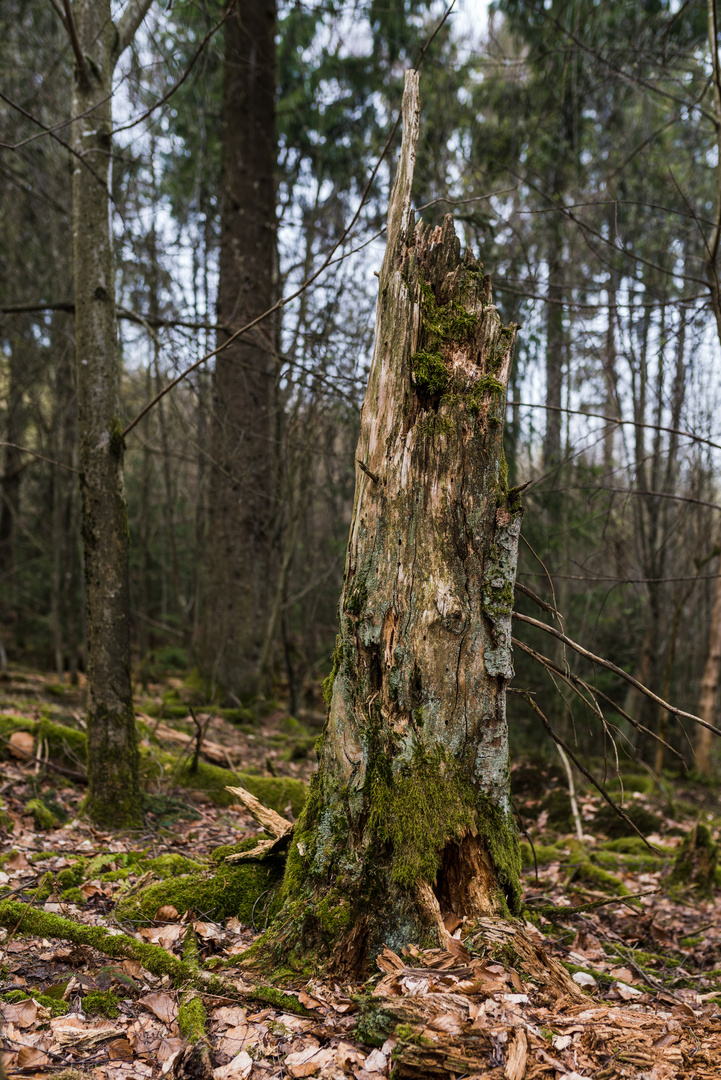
604, 979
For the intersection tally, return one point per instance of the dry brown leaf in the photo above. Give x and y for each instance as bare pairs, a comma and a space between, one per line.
376, 1062
308, 1062
30, 1057
349, 1056
23, 1014
625, 993
120, 1050
169, 1048
208, 931
457, 949
229, 1016
166, 913
309, 1001
162, 935
133, 968
238, 1069
161, 1005
94, 888
622, 973
450, 1023
234, 1039
17, 861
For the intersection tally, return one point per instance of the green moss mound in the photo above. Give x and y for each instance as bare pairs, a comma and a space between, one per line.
248, 890
65, 744
101, 1003
277, 792
695, 864
558, 805
43, 817
609, 822
68, 745
192, 1019
545, 853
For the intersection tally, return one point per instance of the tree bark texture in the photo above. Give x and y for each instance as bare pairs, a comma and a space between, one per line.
113, 792
239, 571
408, 821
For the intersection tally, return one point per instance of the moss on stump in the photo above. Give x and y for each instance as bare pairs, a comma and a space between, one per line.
248, 890
695, 864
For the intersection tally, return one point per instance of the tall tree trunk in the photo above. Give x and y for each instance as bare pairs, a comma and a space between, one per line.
11, 474
113, 798
712, 669
408, 820
555, 353
238, 574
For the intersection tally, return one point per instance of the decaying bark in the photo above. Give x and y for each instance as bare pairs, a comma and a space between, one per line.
408, 824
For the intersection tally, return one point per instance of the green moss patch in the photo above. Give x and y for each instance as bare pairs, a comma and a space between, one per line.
101, 1003
613, 825
277, 792
42, 816
192, 1019
247, 890
427, 805
695, 865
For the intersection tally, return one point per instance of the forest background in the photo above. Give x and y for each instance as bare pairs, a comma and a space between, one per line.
576, 144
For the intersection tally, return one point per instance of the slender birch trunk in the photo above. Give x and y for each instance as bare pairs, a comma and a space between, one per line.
408, 823
113, 798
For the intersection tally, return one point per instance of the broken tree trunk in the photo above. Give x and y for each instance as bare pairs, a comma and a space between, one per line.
408, 821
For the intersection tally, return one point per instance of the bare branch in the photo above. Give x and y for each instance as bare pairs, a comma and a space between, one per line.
129, 23
75, 42
301, 288
617, 420
59, 12
40, 457
183, 77
616, 670
581, 768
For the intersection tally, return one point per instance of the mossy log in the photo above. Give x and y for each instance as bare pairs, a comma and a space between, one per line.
68, 746
248, 890
408, 819
20, 918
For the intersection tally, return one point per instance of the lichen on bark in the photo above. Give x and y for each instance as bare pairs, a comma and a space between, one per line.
408, 818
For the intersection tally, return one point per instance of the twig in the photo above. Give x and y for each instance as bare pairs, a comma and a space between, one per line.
575, 680
181, 80
616, 670
284, 300
571, 790
75, 42
589, 776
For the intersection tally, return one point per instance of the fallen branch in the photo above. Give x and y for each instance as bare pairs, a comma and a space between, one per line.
21, 918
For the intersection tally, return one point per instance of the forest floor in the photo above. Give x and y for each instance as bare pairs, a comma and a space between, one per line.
630, 986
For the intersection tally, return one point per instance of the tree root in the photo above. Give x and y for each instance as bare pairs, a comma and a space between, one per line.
21, 918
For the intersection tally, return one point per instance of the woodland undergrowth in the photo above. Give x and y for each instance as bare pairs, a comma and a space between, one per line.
125, 955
